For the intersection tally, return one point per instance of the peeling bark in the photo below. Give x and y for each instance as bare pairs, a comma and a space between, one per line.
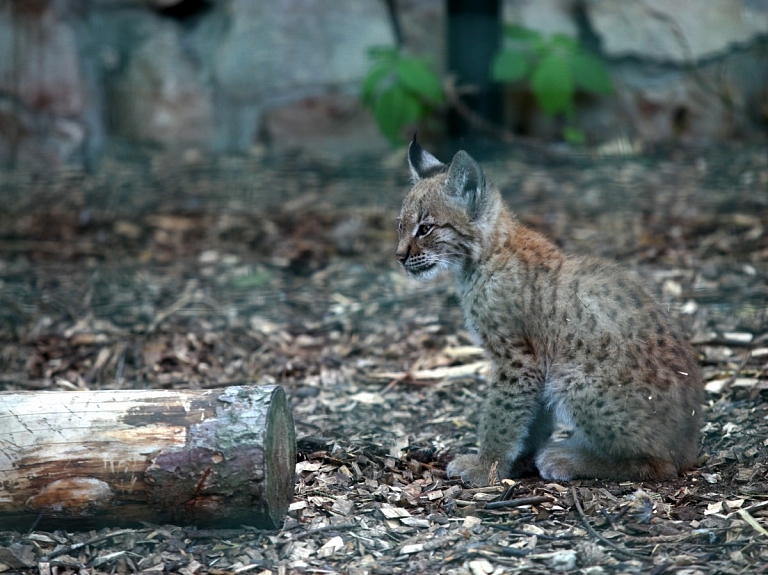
214, 458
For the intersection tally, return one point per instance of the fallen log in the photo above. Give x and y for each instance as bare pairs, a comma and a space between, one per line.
222, 457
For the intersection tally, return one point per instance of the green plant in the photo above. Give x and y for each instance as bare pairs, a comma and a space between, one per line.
400, 90
555, 68
256, 279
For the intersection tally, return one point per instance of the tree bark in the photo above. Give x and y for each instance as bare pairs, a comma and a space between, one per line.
221, 457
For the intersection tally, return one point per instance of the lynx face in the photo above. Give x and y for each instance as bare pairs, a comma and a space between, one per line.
428, 239
444, 216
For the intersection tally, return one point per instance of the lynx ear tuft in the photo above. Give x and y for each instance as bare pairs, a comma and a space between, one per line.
466, 182
422, 163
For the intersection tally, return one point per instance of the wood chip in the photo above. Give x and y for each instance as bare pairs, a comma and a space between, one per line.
745, 382
414, 522
464, 352
715, 386
343, 506
714, 508
436, 374
738, 337
331, 546
481, 567
392, 512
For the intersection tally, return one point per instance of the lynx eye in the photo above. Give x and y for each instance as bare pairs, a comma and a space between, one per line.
399, 226
424, 229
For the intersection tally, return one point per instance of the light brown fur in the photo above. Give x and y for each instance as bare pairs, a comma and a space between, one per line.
575, 340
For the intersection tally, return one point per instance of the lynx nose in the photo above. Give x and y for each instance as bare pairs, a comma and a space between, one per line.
402, 256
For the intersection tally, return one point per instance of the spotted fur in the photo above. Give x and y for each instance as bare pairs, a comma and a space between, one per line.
575, 340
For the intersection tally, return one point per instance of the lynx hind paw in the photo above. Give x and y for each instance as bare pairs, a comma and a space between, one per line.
573, 462
472, 469
558, 464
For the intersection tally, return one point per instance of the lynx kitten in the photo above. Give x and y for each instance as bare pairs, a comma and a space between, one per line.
574, 340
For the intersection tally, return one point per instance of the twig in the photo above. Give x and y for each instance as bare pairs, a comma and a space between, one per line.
187, 297
752, 522
91, 541
182, 301
510, 489
739, 369
519, 502
438, 373
756, 506
512, 528
483, 125
612, 519
663, 568
596, 535
120, 364
508, 551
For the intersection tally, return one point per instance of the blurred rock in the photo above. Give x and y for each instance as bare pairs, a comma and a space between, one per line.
334, 122
422, 23
286, 49
683, 31
161, 97
42, 89
685, 80
718, 100
164, 3
39, 63
38, 140
545, 16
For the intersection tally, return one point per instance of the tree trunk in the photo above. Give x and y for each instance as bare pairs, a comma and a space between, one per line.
474, 36
222, 457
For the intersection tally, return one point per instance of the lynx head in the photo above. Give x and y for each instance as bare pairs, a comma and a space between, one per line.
446, 215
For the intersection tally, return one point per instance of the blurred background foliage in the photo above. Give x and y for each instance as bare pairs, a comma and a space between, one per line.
399, 90
79, 80
554, 68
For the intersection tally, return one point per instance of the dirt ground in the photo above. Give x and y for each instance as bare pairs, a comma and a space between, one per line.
199, 274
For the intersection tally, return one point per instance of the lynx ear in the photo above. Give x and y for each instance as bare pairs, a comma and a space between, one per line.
466, 182
422, 163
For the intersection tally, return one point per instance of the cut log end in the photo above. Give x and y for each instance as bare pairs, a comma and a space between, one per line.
208, 458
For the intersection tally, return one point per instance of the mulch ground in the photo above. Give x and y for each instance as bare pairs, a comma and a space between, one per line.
269, 270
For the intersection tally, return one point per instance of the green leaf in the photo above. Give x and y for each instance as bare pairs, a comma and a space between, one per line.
564, 42
520, 33
509, 66
541, 47
383, 53
416, 76
394, 109
371, 83
590, 74
552, 84
253, 280
574, 136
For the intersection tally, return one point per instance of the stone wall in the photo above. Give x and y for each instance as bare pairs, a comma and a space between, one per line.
171, 73
222, 75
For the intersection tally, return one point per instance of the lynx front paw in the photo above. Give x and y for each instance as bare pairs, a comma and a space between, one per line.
473, 469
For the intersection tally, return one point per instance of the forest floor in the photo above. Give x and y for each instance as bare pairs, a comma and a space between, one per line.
267, 270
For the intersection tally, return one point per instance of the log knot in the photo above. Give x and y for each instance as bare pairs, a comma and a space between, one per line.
72, 497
